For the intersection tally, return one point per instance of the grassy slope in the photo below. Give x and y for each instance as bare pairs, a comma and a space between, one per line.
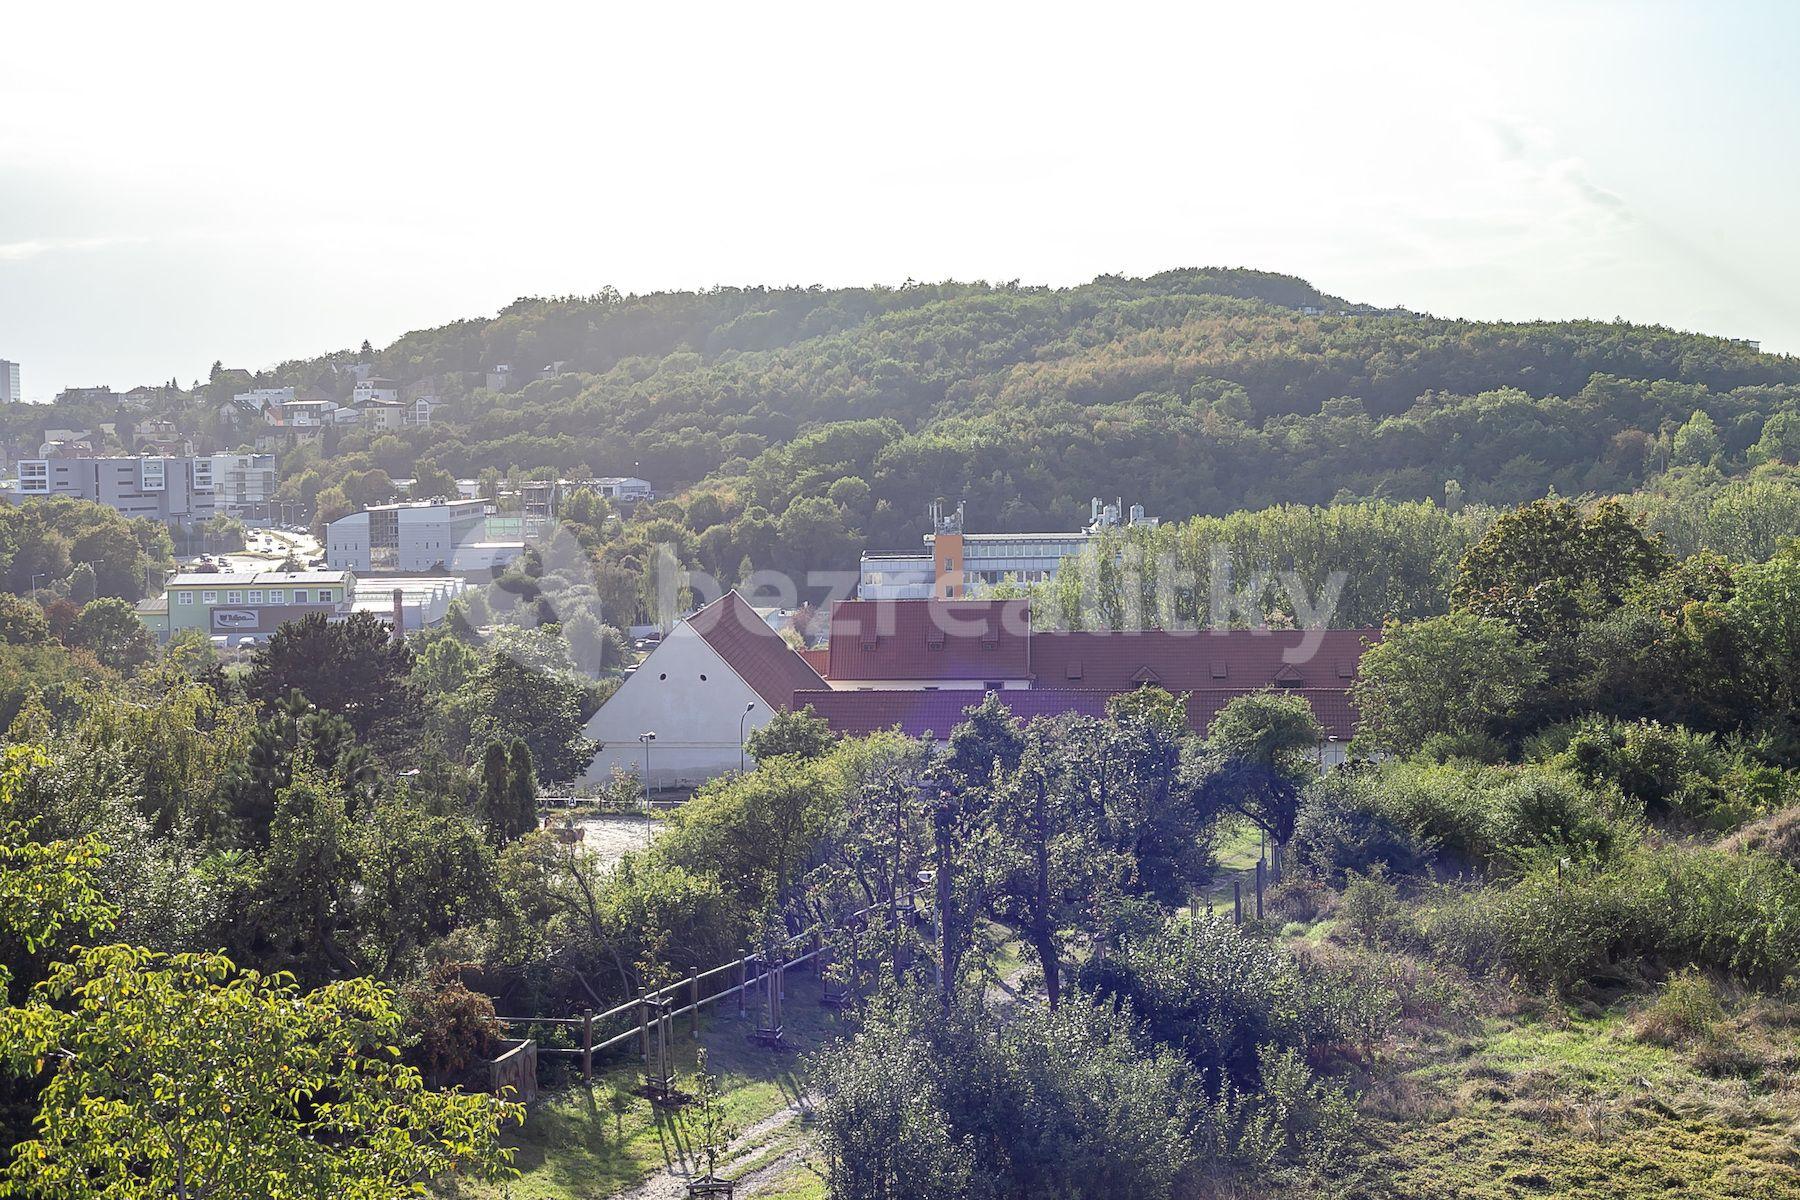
1578, 1107
1517, 1098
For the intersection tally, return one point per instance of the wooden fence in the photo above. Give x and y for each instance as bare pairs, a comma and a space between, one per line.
655, 1011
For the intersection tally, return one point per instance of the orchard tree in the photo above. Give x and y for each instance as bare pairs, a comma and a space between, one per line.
1263, 746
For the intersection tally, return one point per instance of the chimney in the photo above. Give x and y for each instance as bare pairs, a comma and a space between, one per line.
399, 616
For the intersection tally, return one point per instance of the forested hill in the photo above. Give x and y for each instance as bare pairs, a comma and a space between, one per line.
1194, 391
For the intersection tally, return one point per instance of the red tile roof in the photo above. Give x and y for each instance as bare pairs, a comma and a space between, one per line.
918, 712
819, 660
756, 652
1200, 660
930, 639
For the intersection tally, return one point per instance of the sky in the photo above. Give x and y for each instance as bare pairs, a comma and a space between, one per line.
250, 183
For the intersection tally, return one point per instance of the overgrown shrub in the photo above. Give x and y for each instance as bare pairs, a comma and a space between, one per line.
448, 1026
1371, 909
1346, 824
1686, 1010
1505, 818
1676, 772
1219, 994
1046, 1102
1296, 1117
1737, 914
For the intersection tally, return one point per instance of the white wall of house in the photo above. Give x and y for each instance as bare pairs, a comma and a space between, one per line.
695, 719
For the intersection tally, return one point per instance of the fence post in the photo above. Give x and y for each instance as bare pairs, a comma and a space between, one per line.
694, 999
1237, 902
1259, 889
587, 1043
743, 985
644, 1027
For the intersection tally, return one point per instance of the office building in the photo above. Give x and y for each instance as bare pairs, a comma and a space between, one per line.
9, 383
243, 483
425, 535
175, 491
245, 606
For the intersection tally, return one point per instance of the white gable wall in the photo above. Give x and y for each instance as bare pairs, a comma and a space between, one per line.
695, 719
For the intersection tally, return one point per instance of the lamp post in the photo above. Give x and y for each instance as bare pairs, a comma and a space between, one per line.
647, 737
745, 717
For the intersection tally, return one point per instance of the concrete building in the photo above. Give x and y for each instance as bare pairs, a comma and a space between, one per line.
242, 482
9, 383
175, 491
423, 536
375, 390
250, 606
715, 677
954, 565
623, 489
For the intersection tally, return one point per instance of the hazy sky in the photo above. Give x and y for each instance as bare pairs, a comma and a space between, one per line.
184, 183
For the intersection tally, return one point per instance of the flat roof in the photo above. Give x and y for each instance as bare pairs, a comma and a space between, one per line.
399, 505
257, 579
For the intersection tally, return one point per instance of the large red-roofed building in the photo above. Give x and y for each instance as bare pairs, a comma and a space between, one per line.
917, 665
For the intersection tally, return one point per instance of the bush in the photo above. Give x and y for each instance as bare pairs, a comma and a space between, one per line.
1295, 1118
448, 1026
1504, 818
1346, 825
1687, 1010
1371, 909
1219, 994
1736, 914
1674, 771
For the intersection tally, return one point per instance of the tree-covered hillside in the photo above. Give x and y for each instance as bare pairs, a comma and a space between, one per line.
1196, 391
791, 427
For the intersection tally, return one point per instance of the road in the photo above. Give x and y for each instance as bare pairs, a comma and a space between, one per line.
268, 549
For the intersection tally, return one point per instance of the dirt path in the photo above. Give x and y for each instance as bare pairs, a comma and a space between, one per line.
743, 1160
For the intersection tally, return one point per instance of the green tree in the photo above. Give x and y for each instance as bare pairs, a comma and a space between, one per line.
354, 668
22, 621
1460, 675
801, 734
496, 792
521, 787
1548, 565
1696, 443
1264, 745
542, 708
1780, 440
111, 629
82, 583
183, 1077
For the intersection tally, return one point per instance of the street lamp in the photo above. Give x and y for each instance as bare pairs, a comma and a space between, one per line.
35, 578
647, 737
747, 709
